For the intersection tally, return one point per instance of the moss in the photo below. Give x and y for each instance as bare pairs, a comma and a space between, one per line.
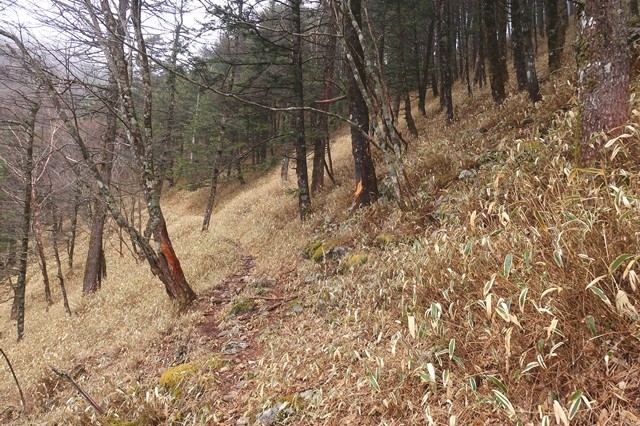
241, 307
311, 248
173, 377
385, 239
354, 259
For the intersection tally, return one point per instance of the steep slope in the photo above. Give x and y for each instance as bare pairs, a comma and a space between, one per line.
505, 293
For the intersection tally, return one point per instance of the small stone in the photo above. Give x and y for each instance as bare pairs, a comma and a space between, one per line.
243, 421
230, 396
298, 309
467, 174
339, 252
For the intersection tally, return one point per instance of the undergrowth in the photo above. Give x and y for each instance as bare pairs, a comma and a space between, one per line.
506, 294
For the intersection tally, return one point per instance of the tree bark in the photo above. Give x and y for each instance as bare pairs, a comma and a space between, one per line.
493, 54
95, 265
37, 234
519, 60
19, 288
444, 43
553, 34
304, 201
603, 73
533, 86
59, 274
71, 243
365, 173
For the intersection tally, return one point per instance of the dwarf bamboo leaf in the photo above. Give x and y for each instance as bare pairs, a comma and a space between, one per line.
530, 367
576, 400
598, 292
506, 268
522, 299
452, 347
591, 324
498, 383
504, 401
619, 261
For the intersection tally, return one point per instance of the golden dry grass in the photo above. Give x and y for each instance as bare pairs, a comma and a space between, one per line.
476, 313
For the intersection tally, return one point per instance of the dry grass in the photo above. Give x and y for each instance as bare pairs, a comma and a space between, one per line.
476, 312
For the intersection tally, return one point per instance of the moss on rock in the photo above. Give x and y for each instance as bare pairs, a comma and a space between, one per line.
241, 307
173, 377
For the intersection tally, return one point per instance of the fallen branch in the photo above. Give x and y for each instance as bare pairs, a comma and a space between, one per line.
87, 398
24, 404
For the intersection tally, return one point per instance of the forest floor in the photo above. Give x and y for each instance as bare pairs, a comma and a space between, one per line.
505, 293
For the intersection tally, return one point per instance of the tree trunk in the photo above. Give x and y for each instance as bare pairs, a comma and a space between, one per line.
444, 43
71, 243
553, 34
424, 74
19, 288
493, 54
59, 274
365, 173
603, 71
304, 202
321, 145
215, 172
37, 234
633, 7
402, 36
533, 86
94, 266
519, 60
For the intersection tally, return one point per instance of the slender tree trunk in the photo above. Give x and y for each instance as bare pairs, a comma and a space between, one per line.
304, 201
37, 235
19, 288
444, 42
215, 172
493, 54
633, 7
71, 243
424, 74
59, 274
603, 70
402, 35
168, 144
321, 145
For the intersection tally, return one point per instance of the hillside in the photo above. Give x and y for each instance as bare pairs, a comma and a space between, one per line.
501, 294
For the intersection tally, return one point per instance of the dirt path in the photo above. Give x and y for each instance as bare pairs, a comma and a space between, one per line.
231, 326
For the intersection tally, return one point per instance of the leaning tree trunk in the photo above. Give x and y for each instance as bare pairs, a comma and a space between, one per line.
603, 72
37, 234
365, 173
